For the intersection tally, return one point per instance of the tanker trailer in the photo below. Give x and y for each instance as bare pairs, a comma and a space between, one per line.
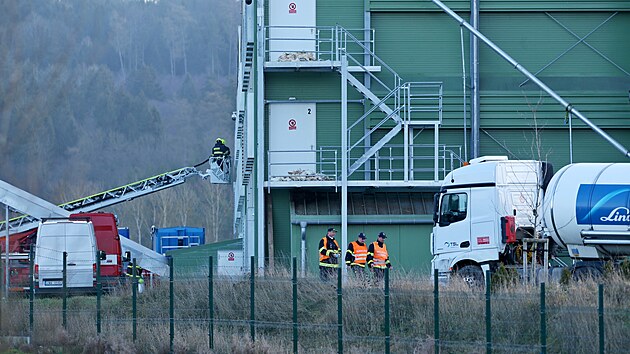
587, 211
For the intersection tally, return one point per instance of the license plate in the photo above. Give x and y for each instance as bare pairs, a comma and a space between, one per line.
53, 282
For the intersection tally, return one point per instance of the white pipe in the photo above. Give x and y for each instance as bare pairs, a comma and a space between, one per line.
474, 81
570, 109
344, 157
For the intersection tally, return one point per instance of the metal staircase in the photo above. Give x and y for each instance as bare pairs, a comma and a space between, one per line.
403, 104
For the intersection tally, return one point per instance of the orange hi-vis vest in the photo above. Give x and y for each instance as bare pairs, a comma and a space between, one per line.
380, 256
323, 259
360, 254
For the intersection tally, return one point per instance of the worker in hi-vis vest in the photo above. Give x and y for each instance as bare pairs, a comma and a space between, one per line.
356, 255
378, 258
329, 252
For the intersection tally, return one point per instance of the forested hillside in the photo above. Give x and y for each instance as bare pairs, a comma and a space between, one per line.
99, 93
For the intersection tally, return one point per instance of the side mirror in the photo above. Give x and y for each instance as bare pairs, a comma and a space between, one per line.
102, 256
127, 257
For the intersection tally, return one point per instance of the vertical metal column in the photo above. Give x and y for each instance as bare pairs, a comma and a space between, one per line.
171, 304
570, 137
64, 280
344, 156
543, 320
252, 303
134, 300
488, 315
406, 118
436, 141
295, 307
210, 304
339, 313
474, 81
436, 311
99, 290
31, 292
600, 297
7, 267
259, 78
387, 344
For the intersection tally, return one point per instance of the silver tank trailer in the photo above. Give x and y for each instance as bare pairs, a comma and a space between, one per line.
588, 204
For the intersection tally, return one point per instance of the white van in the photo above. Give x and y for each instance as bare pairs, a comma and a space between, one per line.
76, 237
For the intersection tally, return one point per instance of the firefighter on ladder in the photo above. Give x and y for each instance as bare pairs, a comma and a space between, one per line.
220, 155
329, 251
378, 258
356, 255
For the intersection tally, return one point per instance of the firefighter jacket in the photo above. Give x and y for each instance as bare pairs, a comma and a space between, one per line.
220, 150
356, 255
377, 255
139, 269
329, 251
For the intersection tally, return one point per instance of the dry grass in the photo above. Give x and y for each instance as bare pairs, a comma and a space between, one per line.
572, 318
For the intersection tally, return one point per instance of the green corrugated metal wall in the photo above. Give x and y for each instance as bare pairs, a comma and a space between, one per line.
425, 45
281, 225
587, 146
347, 13
187, 261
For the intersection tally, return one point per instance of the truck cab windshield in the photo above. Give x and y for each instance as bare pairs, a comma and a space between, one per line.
453, 208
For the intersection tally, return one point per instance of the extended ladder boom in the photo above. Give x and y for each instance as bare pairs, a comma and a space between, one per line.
36, 208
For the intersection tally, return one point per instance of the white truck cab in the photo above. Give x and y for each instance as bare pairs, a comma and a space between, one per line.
476, 210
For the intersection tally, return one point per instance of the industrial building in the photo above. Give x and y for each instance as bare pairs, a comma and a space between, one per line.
350, 113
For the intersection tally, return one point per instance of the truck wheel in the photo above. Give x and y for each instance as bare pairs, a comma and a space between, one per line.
471, 275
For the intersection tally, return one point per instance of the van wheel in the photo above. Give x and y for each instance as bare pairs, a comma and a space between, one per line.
471, 275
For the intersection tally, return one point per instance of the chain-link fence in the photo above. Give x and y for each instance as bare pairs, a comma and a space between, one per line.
194, 310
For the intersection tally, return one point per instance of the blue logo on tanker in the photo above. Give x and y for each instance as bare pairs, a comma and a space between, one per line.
603, 204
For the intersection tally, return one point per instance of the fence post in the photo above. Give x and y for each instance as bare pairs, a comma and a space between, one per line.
210, 304
31, 292
64, 278
171, 305
436, 311
543, 319
600, 290
252, 303
99, 288
134, 299
339, 313
488, 315
295, 317
387, 311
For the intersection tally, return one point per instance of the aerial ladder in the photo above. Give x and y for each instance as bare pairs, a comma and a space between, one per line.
34, 208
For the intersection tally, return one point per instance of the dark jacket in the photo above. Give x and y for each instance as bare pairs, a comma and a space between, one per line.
220, 150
